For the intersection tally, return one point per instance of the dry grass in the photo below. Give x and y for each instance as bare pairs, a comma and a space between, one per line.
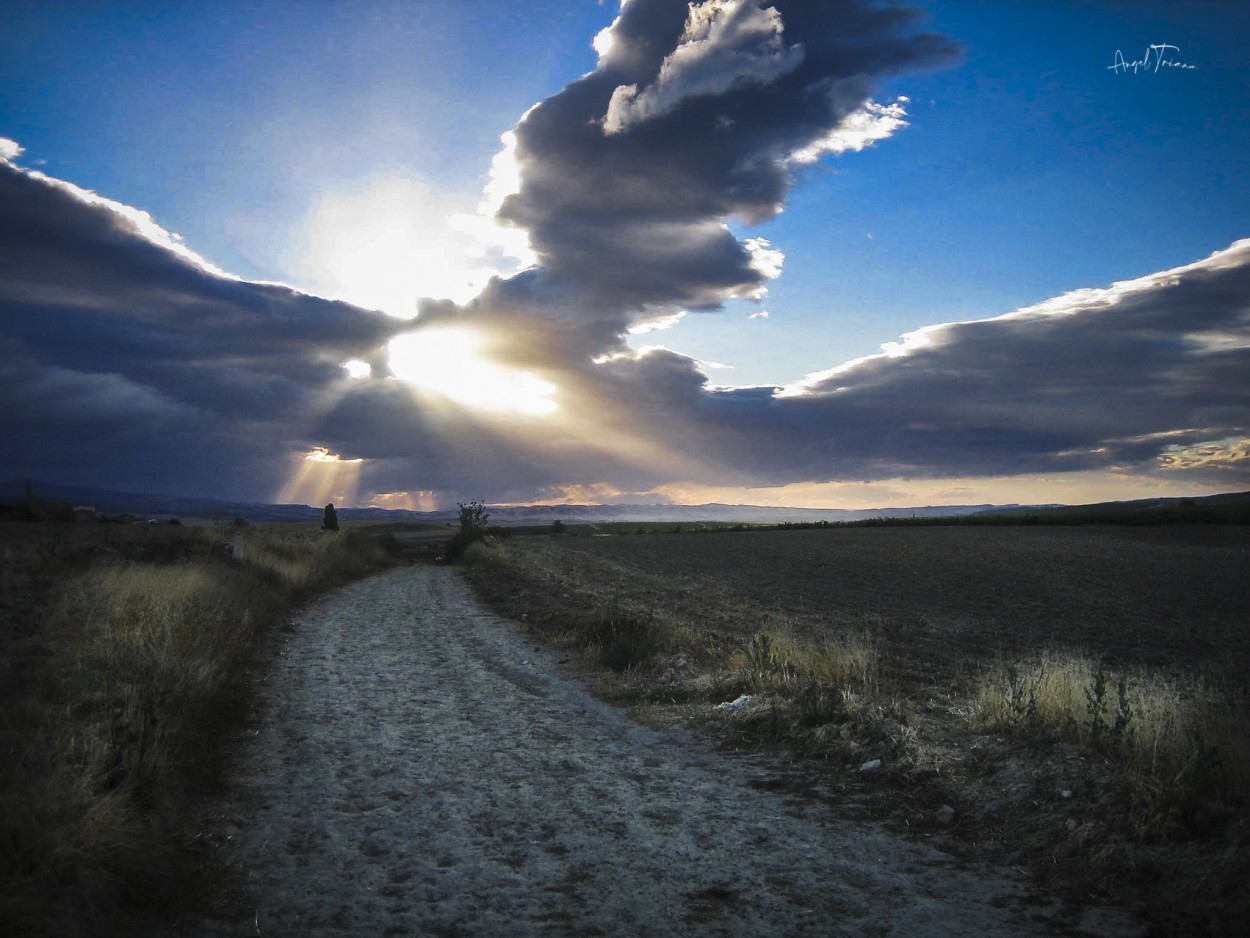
588, 619
823, 694
130, 665
779, 661
1177, 743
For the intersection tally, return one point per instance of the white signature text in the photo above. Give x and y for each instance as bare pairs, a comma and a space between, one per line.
1153, 60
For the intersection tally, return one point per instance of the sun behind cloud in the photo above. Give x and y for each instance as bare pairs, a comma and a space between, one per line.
384, 242
449, 361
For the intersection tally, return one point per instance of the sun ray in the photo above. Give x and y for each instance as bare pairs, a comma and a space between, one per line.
322, 477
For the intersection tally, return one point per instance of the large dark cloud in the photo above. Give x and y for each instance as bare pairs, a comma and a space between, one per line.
629, 175
1137, 377
125, 357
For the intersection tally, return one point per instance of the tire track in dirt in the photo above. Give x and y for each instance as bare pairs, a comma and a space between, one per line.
423, 769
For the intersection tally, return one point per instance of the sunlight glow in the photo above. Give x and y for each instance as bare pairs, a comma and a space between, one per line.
405, 501
1071, 488
385, 242
322, 477
1229, 453
355, 368
449, 362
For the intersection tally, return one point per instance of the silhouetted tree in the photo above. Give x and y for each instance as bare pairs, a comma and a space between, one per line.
472, 518
331, 522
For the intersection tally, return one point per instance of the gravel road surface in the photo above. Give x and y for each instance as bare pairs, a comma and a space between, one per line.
423, 769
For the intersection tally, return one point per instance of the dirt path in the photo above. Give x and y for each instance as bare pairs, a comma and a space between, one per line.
422, 769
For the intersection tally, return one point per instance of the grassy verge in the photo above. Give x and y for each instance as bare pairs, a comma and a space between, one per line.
602, 630
1108, 784
125, 670
1177, 745
780, 685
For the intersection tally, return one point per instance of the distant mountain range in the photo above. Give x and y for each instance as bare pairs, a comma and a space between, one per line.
164, 507
173, 506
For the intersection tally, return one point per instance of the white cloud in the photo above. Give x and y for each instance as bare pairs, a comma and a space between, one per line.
1232, 453
859, 129
726, 43
1083, 301
659, 323
766, 261
10, 149
505, 175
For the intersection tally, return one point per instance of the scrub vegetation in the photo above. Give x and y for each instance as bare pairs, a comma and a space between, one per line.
1069, 699
126, 654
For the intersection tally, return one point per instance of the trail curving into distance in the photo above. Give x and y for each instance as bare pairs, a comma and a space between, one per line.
423, 769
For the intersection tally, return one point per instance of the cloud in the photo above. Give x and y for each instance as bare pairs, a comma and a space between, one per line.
726, 43
859, 129
1144, 375
626, 181
1143, 381
627, 205
666, 321
121, 343
124, 217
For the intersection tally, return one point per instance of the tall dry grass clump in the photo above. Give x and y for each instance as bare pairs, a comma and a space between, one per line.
136, 673
306, 562
777, 661
819, 694
1178, 744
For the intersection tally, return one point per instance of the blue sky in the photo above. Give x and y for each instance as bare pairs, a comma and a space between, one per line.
343, 150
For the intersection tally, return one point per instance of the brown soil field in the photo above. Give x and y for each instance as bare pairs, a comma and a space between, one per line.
939, 599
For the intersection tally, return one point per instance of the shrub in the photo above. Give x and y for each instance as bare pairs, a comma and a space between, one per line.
472, 529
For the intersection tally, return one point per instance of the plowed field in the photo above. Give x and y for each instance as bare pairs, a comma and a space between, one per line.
1173, 598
